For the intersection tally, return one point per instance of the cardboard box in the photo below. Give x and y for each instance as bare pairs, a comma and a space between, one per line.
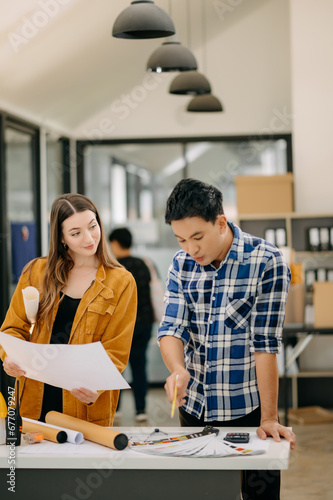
310, 415
318, 355
323, 304
264, 194
295, 306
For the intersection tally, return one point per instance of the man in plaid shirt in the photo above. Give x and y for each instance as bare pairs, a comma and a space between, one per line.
222, 326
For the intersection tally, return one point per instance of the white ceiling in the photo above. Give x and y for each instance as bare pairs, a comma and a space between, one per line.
60, 64
61, 68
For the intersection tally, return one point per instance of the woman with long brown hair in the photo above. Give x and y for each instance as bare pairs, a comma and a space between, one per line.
85, 296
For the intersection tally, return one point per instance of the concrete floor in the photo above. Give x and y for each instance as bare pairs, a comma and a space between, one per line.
310, 473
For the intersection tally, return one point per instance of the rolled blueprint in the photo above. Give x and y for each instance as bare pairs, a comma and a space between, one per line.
91, 432
31, 302
73, 437
49, 433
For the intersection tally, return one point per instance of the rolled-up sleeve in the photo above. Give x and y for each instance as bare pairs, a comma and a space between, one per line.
175, 320
267, 317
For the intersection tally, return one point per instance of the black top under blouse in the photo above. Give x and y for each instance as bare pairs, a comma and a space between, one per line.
52, 399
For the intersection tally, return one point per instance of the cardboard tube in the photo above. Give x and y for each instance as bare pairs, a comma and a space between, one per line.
91, 432
50, 434
31, 302
72, 436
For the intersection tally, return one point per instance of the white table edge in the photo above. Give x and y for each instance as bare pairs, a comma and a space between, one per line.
276, 457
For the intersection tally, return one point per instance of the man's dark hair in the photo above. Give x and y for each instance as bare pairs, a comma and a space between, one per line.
193, 198
123, 236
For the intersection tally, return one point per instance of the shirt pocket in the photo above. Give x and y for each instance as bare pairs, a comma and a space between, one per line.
238, 312
98, 316
101, 409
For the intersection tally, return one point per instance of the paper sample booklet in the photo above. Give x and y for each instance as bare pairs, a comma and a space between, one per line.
199, 445
66, 366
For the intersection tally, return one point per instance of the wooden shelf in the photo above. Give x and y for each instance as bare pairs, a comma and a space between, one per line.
309, 374
284, 215
296, 226
316, 255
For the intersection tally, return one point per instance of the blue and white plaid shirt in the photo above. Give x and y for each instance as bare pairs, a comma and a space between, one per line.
223, 316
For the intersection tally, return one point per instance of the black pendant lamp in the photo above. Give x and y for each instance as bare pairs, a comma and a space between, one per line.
141, 20
204, 103
171, 56
190, 83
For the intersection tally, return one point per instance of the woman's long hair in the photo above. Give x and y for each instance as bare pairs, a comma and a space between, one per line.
59, 262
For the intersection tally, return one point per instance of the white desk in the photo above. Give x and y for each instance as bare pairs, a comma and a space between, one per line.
128, 475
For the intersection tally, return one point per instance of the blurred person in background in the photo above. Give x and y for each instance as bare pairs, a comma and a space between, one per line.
120, 243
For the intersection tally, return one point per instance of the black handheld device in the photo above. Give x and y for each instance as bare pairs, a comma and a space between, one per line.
237, 437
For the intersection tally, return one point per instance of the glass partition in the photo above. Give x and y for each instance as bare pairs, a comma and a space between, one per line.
218, 163
130, 184
54, 166
20, 197
130, 181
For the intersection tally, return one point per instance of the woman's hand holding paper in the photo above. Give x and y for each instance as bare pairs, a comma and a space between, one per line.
85, 396
12, 369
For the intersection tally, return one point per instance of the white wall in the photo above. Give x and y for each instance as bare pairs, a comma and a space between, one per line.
247, 61
312, 103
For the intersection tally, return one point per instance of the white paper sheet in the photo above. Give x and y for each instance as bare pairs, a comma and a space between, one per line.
66, 366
